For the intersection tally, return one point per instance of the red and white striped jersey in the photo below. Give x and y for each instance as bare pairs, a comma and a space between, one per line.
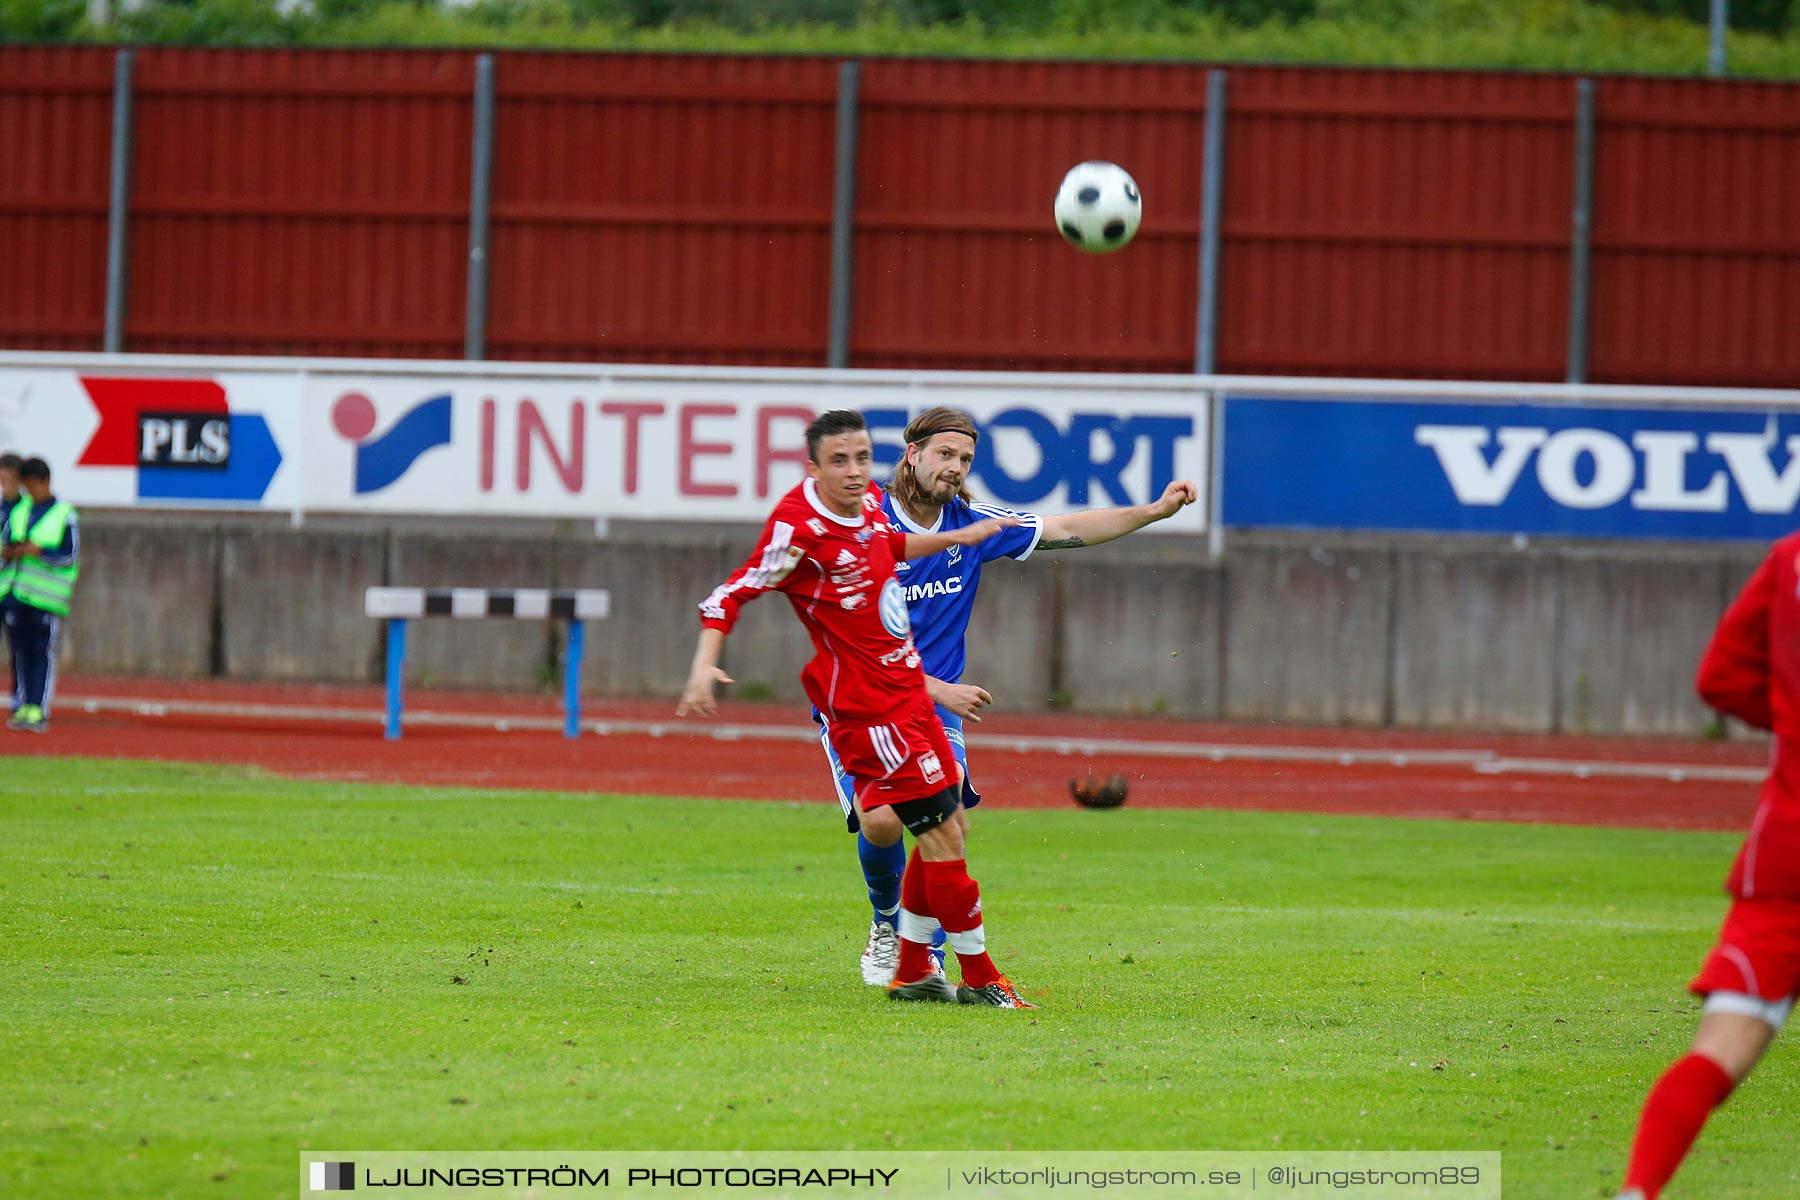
838, 573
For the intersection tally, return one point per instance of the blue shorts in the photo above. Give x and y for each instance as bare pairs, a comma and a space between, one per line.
953, 729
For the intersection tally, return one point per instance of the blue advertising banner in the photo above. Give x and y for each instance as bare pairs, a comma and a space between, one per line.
1475, 467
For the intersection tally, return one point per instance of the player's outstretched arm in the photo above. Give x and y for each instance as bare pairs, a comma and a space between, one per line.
1071, 531
920, 545
697, 697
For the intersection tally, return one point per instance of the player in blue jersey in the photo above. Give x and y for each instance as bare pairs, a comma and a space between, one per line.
928, 495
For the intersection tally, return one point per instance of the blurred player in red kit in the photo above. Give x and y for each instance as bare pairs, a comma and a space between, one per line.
830, 547
1751, 670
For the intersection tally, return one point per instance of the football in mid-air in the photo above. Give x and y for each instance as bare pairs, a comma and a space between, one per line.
1098, 207
1091, 793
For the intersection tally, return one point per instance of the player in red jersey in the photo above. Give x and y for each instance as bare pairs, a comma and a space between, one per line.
829, 546
1751, 670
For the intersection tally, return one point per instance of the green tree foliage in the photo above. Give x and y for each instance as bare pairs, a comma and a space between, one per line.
41, 20
1025, 15
1668, 36
210, 23
1763, 16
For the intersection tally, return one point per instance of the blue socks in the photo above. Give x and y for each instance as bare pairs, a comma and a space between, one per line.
882, 867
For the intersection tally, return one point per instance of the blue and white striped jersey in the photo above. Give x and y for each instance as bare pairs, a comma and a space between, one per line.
940, 589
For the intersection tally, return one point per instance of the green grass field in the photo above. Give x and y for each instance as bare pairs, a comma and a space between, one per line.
207, 971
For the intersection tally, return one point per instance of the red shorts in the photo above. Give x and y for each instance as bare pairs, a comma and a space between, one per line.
1758, 952
908, 757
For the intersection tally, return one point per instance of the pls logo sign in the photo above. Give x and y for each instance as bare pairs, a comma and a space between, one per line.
182, 437
184, 440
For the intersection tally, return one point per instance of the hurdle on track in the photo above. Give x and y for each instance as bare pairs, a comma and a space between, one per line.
398, 605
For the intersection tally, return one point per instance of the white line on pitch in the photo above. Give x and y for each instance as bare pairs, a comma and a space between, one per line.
1486, 762
1674, 772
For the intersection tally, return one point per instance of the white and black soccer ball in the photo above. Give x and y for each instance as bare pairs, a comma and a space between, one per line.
1098, 207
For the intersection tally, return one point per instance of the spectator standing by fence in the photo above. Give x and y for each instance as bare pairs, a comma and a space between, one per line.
40, 548
9, 496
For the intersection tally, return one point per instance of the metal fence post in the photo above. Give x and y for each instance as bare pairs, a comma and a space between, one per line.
1581, 231
843, 216
118, 213
481, 188
1719, 19
1215, 476
1212, 201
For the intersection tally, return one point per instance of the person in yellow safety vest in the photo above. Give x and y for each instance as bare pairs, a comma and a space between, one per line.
39, 548
9, 496
9, 482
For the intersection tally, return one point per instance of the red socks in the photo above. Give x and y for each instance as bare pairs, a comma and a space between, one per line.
1676, 1108
956, 902
933, 893
917, 928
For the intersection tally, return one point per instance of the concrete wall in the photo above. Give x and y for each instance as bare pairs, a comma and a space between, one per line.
1632, 633
1347, 630
290, 603
1474, 642
1144, 639
145, 602
1309, 634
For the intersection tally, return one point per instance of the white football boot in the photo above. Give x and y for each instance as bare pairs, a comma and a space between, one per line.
881, 955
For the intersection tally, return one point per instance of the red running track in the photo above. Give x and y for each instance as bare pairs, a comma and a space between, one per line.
331, 732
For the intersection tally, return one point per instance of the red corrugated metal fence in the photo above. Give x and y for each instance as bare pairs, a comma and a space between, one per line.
679, 208
300, 203
1697, 233
662, 209
958, 263
1412, 224
55, 153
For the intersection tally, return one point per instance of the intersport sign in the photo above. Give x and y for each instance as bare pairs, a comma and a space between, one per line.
700, 444
1473, 467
